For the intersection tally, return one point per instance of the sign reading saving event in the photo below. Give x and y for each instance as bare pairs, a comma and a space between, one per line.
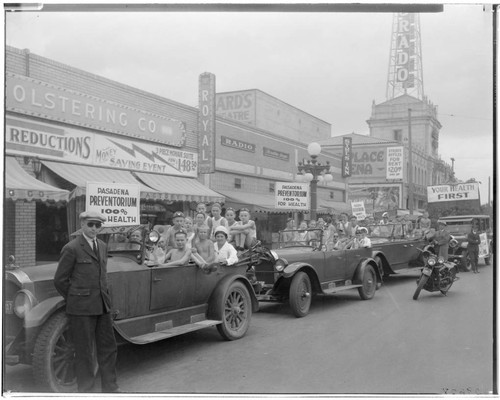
206, 124
346, 157
394, 163
292, 196
118, 202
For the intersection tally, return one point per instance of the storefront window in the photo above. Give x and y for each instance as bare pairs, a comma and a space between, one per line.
51, 231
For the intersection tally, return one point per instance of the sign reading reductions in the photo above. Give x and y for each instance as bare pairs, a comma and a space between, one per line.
28, 96
118, 202
292, 196
395, 163
206, 123
461, 191
58, 143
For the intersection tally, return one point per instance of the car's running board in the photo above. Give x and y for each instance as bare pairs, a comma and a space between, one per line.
340, 288
167, 333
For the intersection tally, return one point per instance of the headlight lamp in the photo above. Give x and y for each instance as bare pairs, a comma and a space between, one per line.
431, 261
23, 303
280, 265
275, 255
154, 236
440, 260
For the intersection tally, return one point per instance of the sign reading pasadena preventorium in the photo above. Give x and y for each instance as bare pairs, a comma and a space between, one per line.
461, 191
292, 196
118, 202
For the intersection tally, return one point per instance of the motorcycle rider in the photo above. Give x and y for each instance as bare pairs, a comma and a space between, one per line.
441, 240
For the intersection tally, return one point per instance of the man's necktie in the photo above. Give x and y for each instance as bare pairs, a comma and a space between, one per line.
95, 248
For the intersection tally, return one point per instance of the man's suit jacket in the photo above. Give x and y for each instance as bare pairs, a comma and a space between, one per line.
81, 278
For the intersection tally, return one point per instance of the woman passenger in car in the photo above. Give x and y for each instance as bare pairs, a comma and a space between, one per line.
225, 253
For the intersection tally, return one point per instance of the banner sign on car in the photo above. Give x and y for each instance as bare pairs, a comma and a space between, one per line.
461, 191
292, 196
118, 202
394, 163
484, 249
358, 209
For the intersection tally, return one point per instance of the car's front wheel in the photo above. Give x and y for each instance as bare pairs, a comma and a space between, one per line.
369, 283
54, 355
234, 308
300, 294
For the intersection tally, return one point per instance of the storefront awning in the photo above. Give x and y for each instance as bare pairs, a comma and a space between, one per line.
79, 175
254, 201
333, 206
177, 188
21, 185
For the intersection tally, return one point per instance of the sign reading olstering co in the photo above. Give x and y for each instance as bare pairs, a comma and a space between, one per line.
118, 202
292, 196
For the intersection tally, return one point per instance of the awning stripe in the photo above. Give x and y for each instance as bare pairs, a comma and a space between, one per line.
21, 185
79, 175
179, 188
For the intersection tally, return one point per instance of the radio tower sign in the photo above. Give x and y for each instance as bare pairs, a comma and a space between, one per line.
405, 66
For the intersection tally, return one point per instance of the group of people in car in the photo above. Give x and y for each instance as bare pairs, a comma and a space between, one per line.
208, 240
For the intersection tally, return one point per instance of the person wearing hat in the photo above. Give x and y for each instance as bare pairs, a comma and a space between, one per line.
441, 240
225, 253
473, 241
361, 238
385, 219
178, 225
81, 279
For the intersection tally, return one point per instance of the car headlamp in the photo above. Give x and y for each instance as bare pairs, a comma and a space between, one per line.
24, 301
463, 245
440, 260
154, 236
431, 261
275, 255
280, 265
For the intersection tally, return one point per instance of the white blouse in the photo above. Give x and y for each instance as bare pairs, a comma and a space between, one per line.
226, 253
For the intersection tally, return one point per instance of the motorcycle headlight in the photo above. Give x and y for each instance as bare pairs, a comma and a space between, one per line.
440, 260
280, 265
431, 261
23, 303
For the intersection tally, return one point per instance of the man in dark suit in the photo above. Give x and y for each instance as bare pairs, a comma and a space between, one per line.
473, 241
81, 279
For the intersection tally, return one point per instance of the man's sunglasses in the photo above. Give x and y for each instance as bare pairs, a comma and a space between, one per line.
92, 224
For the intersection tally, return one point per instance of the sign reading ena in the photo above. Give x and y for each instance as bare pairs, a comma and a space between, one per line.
118, 202
292, 196
462, 191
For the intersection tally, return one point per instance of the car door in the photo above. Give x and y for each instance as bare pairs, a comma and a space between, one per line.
172, 288
335, 264
354, 258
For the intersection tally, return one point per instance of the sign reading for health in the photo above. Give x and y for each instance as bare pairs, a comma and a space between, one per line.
118, 202
292, 196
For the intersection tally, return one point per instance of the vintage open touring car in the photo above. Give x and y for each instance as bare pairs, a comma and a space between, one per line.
151, 302
298, 270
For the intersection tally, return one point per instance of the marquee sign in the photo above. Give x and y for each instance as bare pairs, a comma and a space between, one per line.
346, 157
206, 123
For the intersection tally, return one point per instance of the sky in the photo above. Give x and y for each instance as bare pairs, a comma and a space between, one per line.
330, 65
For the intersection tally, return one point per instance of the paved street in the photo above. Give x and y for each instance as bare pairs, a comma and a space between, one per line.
390, 344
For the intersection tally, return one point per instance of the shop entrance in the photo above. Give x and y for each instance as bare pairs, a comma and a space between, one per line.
51, 231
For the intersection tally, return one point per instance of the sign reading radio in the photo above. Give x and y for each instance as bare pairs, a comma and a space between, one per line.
405, 51
29, 96
237, 144
206, 123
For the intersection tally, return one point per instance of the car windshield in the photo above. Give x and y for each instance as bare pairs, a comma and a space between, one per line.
300, 237
125, 238
459, 228
385, 231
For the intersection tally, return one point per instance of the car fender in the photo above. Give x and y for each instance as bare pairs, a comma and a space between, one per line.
37, 316
293, 268
384, 264
360, 270
222, 287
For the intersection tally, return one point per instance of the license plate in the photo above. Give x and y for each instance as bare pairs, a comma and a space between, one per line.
8, 307
427, 271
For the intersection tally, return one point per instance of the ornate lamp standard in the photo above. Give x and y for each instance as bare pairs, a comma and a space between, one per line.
313, 172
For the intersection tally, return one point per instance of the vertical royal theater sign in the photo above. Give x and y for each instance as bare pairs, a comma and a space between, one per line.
206, 124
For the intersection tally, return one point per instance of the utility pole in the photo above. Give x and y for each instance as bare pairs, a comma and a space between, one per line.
410, 166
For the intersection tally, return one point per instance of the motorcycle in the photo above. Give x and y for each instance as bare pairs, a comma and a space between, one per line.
437, 273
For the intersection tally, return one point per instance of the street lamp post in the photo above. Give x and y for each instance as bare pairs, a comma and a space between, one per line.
313, 172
